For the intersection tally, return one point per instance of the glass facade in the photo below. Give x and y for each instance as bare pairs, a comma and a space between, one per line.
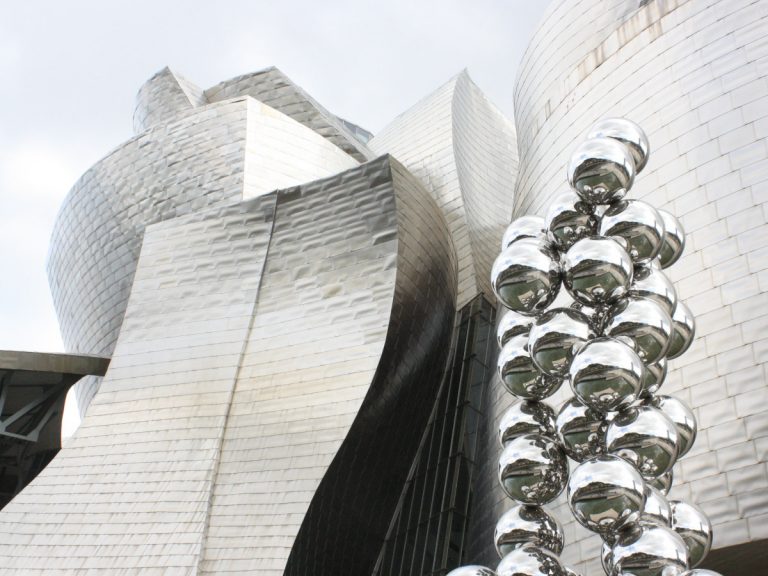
427, 534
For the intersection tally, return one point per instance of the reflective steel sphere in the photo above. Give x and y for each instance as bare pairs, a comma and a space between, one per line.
530, 560
581, 431
639, 224
597, 271
663, 483
605, 494
683, 331
695, 529
523, 227
472, 571
647, 550
555, 338
683, 418
606, 375
533, 469
645, 437
657, 509
601, 170
512, 324
523, 525
645, 322
629, 134
606, 558
674, 240
526, 418
569, 219
519, 373
653, 378
650, 282
526, 276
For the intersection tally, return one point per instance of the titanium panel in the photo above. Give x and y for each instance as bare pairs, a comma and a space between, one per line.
442, 140
706, 114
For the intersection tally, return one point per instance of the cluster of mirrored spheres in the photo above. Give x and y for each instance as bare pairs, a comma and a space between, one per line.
587, 302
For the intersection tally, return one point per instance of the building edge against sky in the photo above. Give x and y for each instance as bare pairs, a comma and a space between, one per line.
274, 318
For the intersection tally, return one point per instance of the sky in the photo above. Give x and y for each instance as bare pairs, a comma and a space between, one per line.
70, 71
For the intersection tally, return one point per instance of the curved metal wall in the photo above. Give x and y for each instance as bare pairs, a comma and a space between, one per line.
694, 74
211, 156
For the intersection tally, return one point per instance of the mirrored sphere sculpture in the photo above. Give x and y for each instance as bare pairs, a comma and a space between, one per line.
530, 560
522, 525
526, 276
648, 550
526, 417
568, 219
695, 529
683, 331
555, 338
597, 271
601, 170
626, 132
533, 469
472, 571
606, 558
645, 323
606, 374
645, 437
512, 324
653, 378
683, 418
639, 224
674, 240
581, 431
523, 227
657, 508
519, 373
605, 494
651, 283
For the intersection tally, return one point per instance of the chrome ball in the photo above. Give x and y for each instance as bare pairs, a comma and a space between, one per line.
555, 338
597, 271
645, 437
695, 529
526, 417
683, 419
645, 323
629, 134
663, 483
606, 558
519, 373
606, 375
522, 525
651, 283
533, 469
601, 170
639, 224
657, 508
530, 560
674, 240
648, 550
526, 276
512, 324
683, 331
523, 227
653, 378
472, 571
581, 431
605, 494
569, 219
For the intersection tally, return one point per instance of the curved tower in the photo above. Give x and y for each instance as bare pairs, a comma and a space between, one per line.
694, 74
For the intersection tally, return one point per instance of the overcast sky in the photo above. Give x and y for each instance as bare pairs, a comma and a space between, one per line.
70, 71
